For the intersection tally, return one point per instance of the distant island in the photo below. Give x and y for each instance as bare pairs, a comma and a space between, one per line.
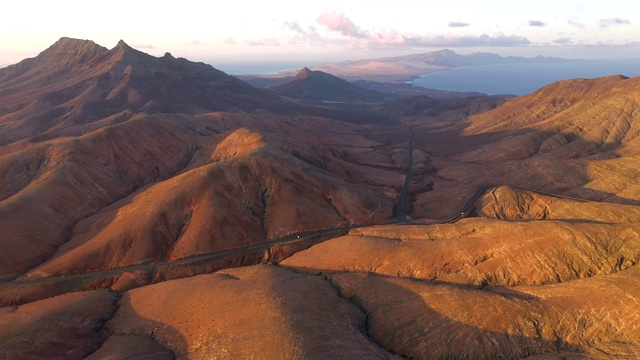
410, 67
392, 74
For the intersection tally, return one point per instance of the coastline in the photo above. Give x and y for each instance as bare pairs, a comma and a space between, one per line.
521, 78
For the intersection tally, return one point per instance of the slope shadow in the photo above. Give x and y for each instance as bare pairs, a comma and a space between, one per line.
407, 322
165, 336
518, 159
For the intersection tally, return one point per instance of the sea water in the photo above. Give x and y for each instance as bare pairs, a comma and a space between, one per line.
523, 78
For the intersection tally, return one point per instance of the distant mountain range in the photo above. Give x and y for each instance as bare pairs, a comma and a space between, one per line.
75, 86
157, 208
314, 86
408, 67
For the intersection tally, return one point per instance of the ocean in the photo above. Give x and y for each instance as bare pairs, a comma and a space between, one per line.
520, 79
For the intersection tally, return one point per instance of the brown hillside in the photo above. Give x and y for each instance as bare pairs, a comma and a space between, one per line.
261, 181
76, 86
577, 138
156, 208
281, 315
317, 86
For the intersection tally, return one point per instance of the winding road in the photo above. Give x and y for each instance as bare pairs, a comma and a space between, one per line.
305, 238
302, 240
401, 200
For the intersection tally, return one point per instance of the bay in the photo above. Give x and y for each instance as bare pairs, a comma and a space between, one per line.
523, 78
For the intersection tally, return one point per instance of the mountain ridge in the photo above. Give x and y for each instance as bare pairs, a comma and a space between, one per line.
137, 222
409, 67
318, 86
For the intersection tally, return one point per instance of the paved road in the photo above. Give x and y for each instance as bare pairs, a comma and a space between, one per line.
155, 264
398, 213
401, 200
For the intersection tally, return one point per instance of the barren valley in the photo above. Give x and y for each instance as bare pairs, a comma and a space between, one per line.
157, 208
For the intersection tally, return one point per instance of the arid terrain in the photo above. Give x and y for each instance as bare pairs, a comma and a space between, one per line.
157, 208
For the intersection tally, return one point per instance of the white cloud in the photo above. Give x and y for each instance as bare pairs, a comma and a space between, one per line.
614, 22
142, 46
264, 42
576, 23
355, 38
456, 24
563, 40
468, 40
339, 22
229, 41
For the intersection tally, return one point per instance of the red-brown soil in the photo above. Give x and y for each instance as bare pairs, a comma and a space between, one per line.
129, 174
63, 327
318, 86
543, 280
577, 138
252, 312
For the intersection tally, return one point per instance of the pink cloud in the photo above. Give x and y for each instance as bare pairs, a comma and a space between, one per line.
339, 22
229, 41
357, 38
264, 42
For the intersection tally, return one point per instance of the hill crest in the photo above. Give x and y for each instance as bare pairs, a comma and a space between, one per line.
309, 85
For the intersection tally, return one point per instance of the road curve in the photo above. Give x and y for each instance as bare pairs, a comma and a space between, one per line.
312, 237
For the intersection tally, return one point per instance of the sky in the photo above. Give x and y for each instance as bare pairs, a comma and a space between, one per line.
223, 32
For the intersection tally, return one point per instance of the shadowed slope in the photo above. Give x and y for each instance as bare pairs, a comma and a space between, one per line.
282, 315
577, 137
588, 241
76, 178
62, 327
76, 86
114, 203
426, 320
438, 291
317, 86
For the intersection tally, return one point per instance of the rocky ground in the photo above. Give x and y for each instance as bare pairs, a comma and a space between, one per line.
263, 231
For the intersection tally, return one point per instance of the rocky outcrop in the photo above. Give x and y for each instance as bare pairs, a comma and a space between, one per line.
252, 312
506, 203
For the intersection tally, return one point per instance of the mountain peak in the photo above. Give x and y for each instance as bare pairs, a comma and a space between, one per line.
70, 51
122, 44
66, 48
309, 85
303, 74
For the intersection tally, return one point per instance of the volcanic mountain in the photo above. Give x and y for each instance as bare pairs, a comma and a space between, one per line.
409, 67
76, 86
318, 86
91, 134
158, 208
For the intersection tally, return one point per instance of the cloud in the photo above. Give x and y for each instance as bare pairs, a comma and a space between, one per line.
355, 38
563, 40
339, 22
386, 38
576, 24
467, 40
456, 24
294, 26
309, 35
536, 23
264, 42
614, 22
196, 43
229, 41
142, 46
